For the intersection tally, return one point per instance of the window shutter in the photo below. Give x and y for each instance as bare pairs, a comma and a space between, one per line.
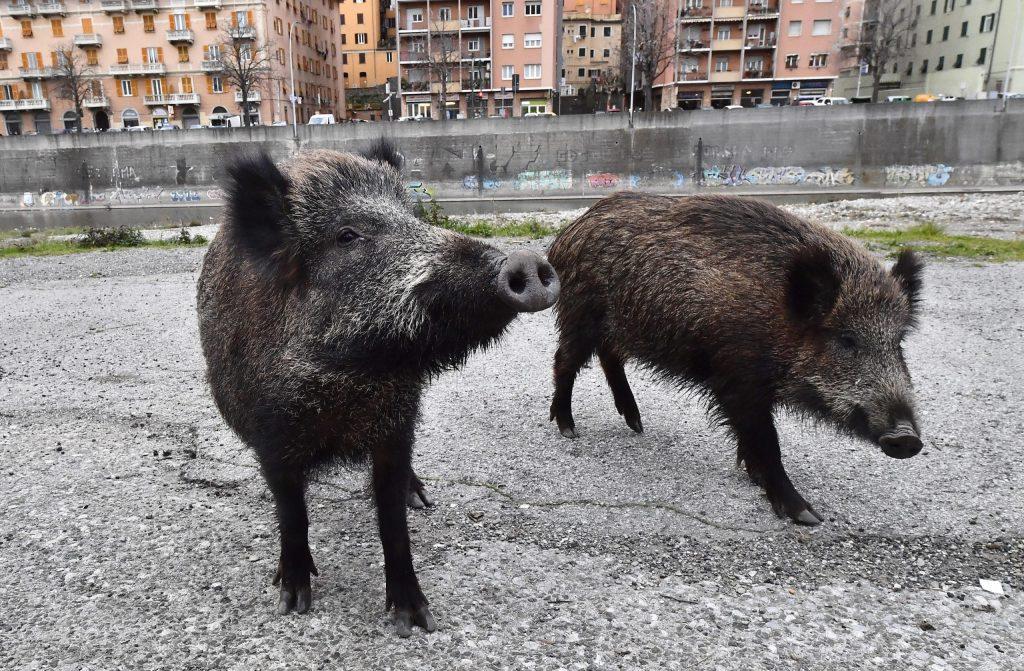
234, 20
149, 87
170, 17
186, 85
188, 22
144, 59
159, 54
248, 16
24, 60
86, 25
53, 59
209, 84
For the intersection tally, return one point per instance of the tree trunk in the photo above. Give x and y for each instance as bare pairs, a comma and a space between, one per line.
648, 96
876, 79
78, 112
245, 108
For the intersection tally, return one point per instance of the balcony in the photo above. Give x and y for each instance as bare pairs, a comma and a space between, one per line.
138, 69
412, 56
693, 45
94, 102
727, 45
51, 9
759, 73
478, 55
695, 14
114, 6
730, 13
212, 65
21, 9
89, 40
172, 99
418, 86
207, 4
35, 73
254, 96
6, 44
476, 24
25, 104
142, 6
727, 76
761, 42
694, 76
762, 10
180, 36
242, 32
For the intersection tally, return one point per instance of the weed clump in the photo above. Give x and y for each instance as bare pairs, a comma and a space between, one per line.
125, 236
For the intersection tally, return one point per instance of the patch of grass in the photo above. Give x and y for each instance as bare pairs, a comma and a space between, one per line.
932, 239
432, 213
111, 237
103, 239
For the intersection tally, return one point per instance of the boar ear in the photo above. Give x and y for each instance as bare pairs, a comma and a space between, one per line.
907, 271
812, 285
384, 151
258, 212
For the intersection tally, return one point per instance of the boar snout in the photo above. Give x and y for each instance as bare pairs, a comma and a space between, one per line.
527, 283
901, 441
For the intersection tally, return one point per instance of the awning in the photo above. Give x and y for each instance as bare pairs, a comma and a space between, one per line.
690, 95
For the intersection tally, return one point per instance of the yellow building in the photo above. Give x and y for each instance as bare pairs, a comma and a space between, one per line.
368, 57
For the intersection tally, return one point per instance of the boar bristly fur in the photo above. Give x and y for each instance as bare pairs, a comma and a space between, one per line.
753, 307
325, 307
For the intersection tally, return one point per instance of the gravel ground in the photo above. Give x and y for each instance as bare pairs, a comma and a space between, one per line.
136, 533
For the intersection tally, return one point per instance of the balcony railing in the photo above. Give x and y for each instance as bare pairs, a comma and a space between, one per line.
172, 99
761, 73
89, 40
181, 36
114, 5
254, 96
727, 76
36, 72
144, 5
762, 9
476, 24
730, 12
761, 42
690, 45
242, 33
479, 54
695, 14
25, 104
213, 65
207, 4
51, 8
6, 44
726, 45
21, 9
138, 69
418, 86
694, 76
96, 101
407, 56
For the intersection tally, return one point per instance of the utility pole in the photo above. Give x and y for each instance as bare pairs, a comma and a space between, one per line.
632, 71
291, 74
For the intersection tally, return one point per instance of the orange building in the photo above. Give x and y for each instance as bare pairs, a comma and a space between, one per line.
154, 63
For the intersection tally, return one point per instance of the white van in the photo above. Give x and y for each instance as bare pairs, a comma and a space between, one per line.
825, 100
321, 120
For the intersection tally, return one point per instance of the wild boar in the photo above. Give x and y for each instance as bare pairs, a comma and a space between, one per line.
752, 306
325, 307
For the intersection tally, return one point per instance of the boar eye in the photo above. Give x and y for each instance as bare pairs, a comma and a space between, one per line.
847, 342
347, 236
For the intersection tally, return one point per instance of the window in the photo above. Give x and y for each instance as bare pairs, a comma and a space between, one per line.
26, 28
924, 66
963, 28
216, 85
532, 9
928, 37
183, 54
941, 63
948, 6
531, 40
506, 9
344, 59
507, 71
416, 16
818, 60
795, 28
92, 57
987, 22
822, 27
3, 65
57, 27
362, 75
213, 52
792, 60
362, 59
360, 38
473, 45
126, 88
981, 55
582, 52
389, 57
945, 33
279, 26
508, 42
186, 85
211, 20
445, 14
910, 68
147, 23
913, 40
959, 62
607, 53
607, 31
721, 64
122, 56
582, 72
724, 33
359, 17
583, 32
531, 71
934, 4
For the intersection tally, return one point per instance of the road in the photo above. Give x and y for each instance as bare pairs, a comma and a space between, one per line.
136, 533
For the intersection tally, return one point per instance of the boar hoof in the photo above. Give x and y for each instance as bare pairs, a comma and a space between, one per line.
405, 618
296, 593
568, 431
808, 517
418, 499
633, 422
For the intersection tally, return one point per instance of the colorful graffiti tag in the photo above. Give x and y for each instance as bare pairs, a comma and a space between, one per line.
737, 175
472, 182
544, 180
922, 175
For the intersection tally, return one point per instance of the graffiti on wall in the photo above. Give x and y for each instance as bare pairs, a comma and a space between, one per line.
609, 180
185, 197
921, 175
544, 180
737, 175
419, 191
474, 183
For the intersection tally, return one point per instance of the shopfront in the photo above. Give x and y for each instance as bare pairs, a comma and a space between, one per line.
690, 100
721, 95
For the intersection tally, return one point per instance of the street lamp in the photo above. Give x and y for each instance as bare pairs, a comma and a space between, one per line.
291, 74
632, 71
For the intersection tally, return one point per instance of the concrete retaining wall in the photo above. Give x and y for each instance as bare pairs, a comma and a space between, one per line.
967, 143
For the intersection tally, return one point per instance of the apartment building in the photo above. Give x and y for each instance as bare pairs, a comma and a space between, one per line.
591, 39
367, 38
475, 58
156, 62
807, 60
725, 54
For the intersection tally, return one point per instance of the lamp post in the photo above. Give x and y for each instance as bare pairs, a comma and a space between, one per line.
291, 74
632, 70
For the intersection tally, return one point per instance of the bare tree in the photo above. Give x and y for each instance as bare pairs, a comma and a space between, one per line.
888, 27
245, 63
74, 78
655, 43
442, 58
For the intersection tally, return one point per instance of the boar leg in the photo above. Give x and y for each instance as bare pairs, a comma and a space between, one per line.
296, 564
615, 374
758, 449
574, 350
417, 493
392, 471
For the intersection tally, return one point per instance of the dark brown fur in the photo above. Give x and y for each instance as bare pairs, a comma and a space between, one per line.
754, 307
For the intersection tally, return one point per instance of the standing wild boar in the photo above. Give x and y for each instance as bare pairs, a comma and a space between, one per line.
754, 307
325, 307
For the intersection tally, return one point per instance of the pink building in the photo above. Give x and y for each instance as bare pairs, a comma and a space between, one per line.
808, 57
491, 57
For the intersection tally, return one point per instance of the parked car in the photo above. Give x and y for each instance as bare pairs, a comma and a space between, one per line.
804, 102
925, 98
321, 120
948, 99
537, 114
733, 107
829, 100
279, 123
898, 99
